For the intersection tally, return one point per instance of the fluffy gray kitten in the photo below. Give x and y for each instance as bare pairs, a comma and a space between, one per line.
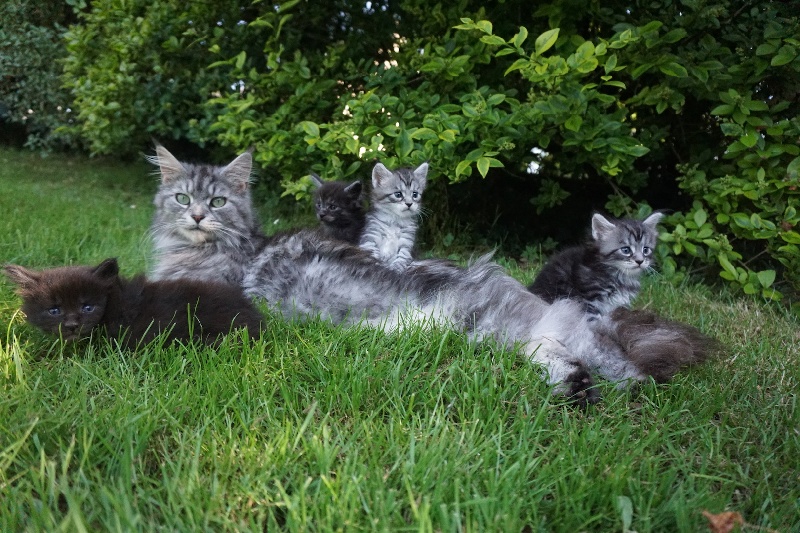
603, 273
204, 225
393, 217
304, 274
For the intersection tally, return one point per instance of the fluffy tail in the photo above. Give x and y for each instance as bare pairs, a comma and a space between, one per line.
657, 346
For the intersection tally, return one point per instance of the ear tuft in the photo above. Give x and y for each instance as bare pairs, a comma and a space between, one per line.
239, 170
316, 180
380, 174
23, 278
107, 269
601, 226
169, 166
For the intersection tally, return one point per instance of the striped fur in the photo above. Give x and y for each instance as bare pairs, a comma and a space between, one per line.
603, 273
396, 204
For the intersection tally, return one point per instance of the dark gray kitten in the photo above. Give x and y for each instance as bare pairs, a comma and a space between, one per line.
75, 301
304, 274
204, 225
604, 272
340, 208
393, 217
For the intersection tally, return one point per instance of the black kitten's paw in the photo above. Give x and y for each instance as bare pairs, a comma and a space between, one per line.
580, 388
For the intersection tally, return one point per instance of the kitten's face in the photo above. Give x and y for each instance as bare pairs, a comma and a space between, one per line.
335, 201
626, 244
65, 301
202, 203
399, 192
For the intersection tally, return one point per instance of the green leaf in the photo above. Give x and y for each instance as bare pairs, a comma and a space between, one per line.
518, 64
403, 144
742, 220
240, 59
785, 55
546, 41
723, 109
483, 166
520, 37
765, 49
493, 40
749, 140
611, 63
700, 217
673, 69
792, 237
674, 36
725, 264
463, 168
495, 99
310, 128
485, 26
766, 277
793, 169
573, 123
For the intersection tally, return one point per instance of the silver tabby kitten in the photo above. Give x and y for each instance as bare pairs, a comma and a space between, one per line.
603, 273
304, 274
393, 217
204, 225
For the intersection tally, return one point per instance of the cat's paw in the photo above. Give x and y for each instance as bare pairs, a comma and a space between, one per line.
580, 389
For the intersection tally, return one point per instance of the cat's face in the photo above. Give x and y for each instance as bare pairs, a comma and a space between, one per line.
65, 301
626, 244
335, 201
202, 203
399, 192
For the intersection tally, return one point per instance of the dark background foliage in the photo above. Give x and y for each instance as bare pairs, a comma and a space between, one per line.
532, 116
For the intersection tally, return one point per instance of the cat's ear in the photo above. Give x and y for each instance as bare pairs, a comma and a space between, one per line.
421, 173
316, 180
171, 169
108, 269
380, 174
601, 226
239, 170
653, 220
22, 277
354, 188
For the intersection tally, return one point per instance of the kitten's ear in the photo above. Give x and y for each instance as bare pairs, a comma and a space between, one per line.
316, 180
238, 171
653, 220
107, 269
601, 226
22, 277
421, 173
379, 174
171, 169
354, 188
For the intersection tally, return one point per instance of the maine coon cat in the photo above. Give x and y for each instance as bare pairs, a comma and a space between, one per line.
204, 221
340, 208
393, 217
603, 273
304, 274
74, 301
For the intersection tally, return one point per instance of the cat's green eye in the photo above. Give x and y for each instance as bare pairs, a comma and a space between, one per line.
218, 201
182, 199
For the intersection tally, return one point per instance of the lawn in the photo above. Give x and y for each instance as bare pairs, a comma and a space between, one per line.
314, 427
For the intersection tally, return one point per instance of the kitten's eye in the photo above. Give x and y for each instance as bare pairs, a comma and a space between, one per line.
218, 201
88, 308
182, 199
333, 207
626, 250
398, 195
646, 251
415, 195
54, 311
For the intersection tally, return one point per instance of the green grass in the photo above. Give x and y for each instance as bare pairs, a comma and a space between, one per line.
314, 427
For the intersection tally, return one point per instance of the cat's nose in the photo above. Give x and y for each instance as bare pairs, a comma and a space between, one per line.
639, 261
198, 218
409, 205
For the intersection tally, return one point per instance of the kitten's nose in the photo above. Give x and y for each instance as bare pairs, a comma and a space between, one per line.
409, 205
198, 218
639, 261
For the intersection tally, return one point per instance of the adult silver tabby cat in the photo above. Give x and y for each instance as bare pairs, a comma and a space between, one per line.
304, 274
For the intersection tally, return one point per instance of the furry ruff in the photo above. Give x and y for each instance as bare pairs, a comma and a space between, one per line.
659, 347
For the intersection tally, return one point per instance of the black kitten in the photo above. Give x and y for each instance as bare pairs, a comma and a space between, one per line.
340, 208
75, 300
604, 272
